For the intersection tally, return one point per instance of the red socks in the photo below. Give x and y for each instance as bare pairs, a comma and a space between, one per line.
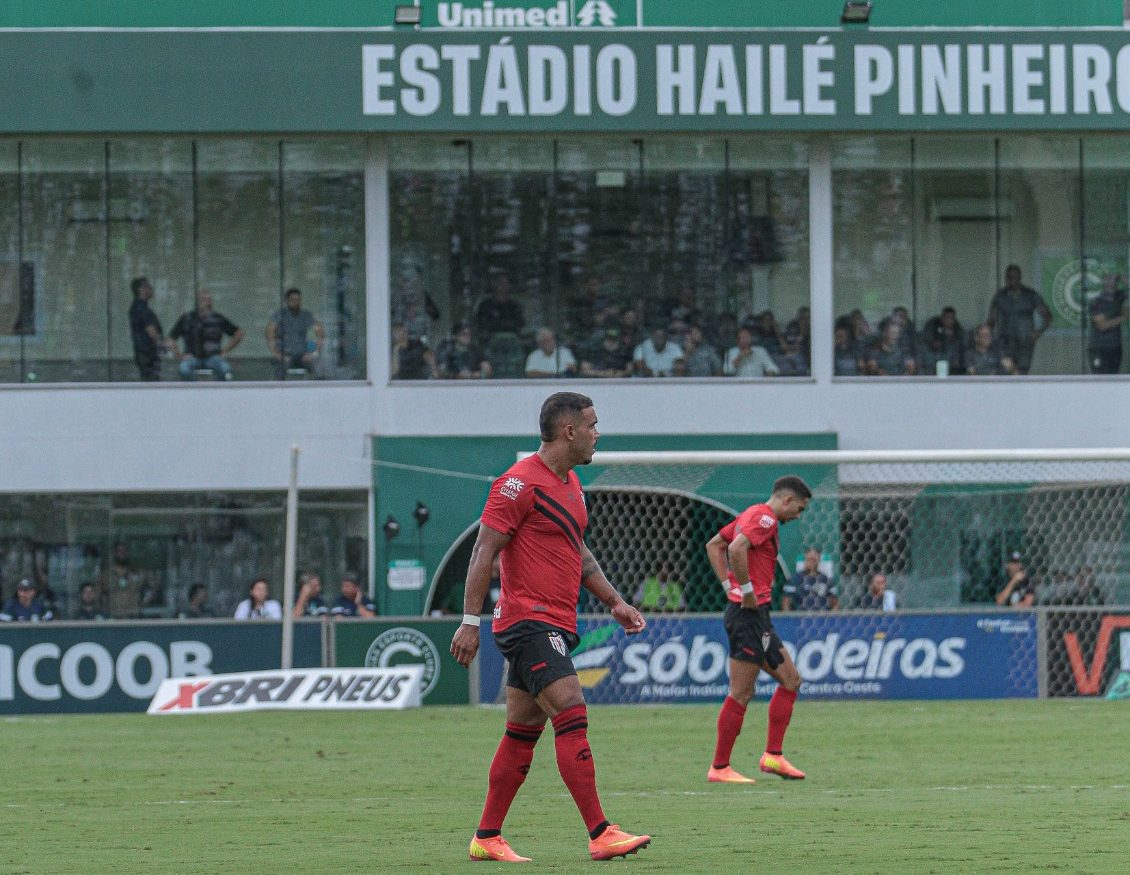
780, 713
574, 761
729, 726
507, 772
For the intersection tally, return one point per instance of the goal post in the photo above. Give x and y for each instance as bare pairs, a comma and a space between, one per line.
940, 524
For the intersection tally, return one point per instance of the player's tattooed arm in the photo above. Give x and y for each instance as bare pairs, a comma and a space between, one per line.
593, 579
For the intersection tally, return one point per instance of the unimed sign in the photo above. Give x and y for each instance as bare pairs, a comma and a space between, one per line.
118, 667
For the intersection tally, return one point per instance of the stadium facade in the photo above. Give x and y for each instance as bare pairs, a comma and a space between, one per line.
594, 156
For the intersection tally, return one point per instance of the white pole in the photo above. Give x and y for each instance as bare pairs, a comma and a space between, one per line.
290, 560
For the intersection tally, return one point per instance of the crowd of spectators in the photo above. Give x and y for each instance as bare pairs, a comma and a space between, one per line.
595, 337
123, 593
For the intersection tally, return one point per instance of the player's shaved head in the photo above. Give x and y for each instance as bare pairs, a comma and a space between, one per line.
558, 406
793, 485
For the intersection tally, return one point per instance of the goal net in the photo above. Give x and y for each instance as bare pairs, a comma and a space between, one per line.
940, 526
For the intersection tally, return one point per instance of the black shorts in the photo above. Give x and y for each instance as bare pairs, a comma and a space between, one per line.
537, 654
752, 636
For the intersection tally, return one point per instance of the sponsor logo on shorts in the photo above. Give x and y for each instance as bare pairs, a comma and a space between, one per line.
511, 488
558, 643
403, 645
765, 642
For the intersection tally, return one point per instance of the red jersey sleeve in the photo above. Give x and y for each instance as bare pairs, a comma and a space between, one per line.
729, 531
509, 501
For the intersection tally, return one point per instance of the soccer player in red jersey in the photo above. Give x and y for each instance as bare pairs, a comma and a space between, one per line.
535, 517
744, 556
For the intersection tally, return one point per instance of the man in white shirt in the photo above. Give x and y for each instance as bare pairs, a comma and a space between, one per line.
549, 359
656, 356
747, 360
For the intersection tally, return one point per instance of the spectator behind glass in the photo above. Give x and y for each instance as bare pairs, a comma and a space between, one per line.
258, 605
798, 336
353, 602
810, 589
1019, 591
89, 604
876, 597
608, 358
145, 331
747, 360
1012, 318
24, 607
700, 358
631, 335
983, 358
900, 316
943, 345
861, 331
549, 359
459, 358
498, 313
309, 601
656, 356
767, 334
197, 607
411, 357
889, 357
845, 355
123, 584
287, 331
1108, 313
203, 330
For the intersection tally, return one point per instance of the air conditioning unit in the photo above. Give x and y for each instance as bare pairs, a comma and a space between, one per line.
970, 209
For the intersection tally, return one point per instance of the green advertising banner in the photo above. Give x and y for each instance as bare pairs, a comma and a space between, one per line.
47, 668
384, 643
565, 80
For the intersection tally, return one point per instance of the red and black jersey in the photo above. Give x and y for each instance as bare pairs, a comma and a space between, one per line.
541, 565
759, 524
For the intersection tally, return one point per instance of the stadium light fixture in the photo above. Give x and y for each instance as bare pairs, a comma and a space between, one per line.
856, 12
421, 514
407, 15
391, 528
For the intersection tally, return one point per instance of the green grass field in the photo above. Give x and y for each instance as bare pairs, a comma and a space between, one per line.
1016, 786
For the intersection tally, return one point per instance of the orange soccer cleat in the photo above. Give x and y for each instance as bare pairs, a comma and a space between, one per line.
614, 842
726, 775
496, 850
775, 764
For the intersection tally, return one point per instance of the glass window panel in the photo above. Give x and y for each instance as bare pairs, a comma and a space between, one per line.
16, 282
768, 260
150, 236
143, 553
1106, 246
1040, 226
66, 335
237, 254
431, 239
872, 232
324, 258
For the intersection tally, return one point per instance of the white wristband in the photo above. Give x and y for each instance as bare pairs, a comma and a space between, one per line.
746, 588
471, 620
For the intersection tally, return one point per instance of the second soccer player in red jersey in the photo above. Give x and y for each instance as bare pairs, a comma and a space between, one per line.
535, 517
744, 556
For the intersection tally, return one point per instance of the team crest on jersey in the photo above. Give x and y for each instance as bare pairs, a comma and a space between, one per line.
558, 643
767, 521
511, 488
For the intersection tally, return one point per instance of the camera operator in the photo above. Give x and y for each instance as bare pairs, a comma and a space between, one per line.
1108, 313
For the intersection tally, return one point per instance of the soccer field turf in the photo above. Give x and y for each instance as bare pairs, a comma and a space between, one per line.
908, 787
